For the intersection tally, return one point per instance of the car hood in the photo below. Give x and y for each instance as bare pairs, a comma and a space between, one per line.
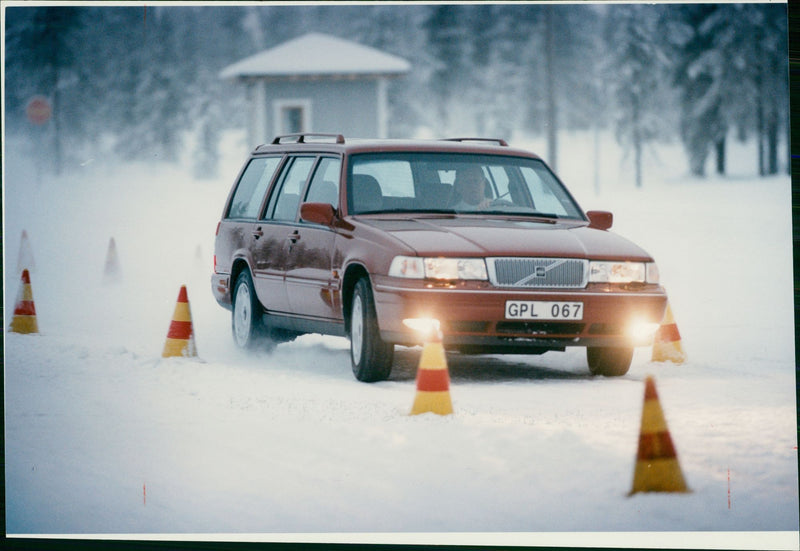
506, 237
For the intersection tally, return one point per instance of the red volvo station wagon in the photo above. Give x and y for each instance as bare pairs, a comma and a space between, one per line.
366, 238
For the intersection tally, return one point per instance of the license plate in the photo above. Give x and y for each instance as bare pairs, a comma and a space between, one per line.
542, 310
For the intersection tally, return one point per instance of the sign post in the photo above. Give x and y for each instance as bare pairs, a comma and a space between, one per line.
38, 110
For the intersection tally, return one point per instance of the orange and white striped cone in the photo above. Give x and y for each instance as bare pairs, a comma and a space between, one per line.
180, 338
24, 320
433, 380
657, 468
667, 341
112, 272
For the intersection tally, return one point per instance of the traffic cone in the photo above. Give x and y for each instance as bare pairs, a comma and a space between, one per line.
180, 338
433, 380
112, 272
667, 341
24, 320
657, 468
25, 256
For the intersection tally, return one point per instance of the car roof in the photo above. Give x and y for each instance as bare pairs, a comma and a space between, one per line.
310, 142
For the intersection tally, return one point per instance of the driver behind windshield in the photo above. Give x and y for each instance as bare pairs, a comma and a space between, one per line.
469, 189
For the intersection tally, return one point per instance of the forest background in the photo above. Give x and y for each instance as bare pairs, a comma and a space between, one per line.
142, 82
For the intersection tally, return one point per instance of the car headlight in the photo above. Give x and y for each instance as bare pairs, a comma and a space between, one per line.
652, 273
415, 267
623, 272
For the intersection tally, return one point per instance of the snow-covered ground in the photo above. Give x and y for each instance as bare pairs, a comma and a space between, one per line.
103, 436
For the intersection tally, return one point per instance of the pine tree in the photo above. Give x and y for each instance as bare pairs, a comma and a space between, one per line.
696, 76
638, 67
446, 38
144, 77
773, 100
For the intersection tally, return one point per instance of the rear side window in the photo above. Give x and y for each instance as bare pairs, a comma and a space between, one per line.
284, 203
252, 187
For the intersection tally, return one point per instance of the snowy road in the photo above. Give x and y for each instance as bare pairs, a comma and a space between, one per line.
103, 436
106, 440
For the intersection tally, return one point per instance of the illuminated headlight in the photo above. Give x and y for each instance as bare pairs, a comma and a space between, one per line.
617, 272
455, 268
438, 268
424, 326
642, 331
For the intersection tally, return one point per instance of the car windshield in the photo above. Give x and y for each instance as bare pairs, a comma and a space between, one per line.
448, 183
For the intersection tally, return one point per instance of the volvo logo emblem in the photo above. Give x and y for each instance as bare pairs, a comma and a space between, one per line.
539, 272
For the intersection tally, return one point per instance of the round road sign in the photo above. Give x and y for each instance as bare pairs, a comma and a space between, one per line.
38, 110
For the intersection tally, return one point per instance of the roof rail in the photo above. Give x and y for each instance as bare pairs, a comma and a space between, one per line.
498, 141
301, 137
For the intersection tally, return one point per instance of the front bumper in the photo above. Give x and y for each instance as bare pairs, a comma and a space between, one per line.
472, 315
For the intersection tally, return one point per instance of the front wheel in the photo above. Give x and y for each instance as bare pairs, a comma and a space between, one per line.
609, 362
371, 358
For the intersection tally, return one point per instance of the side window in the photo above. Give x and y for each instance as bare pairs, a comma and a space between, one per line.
285, 200
252, 186
324, 187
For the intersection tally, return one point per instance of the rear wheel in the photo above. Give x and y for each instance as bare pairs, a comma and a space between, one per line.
246, 313
371, 358
609, 362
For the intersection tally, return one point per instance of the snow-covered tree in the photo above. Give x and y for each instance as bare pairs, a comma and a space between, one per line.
145, 77
763, 41
731, 72
564, 55
636, 70
447, 38
697, 76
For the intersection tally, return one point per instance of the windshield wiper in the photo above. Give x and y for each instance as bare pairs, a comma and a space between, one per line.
545, 215
517, 214
415, 211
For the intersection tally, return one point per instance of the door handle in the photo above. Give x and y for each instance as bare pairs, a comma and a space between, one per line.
257, 232
294, 237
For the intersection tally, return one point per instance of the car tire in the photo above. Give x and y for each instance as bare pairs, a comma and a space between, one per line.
246, 314
370, 356
609, 362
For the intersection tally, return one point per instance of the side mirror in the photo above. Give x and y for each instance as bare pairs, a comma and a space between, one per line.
600, 219
317, 213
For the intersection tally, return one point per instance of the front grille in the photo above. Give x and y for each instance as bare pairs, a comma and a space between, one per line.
527, 273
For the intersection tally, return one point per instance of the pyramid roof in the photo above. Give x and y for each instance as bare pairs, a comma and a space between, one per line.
315, 55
